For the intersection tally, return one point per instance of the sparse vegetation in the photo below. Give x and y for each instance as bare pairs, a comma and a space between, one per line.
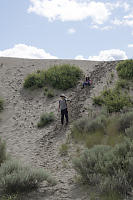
14, 177
45, 119
1, 104
60, 77
125, 69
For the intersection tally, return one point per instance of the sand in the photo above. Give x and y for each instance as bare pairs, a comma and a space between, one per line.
40, 147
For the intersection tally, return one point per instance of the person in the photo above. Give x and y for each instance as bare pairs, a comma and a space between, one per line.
63, 108
87, 81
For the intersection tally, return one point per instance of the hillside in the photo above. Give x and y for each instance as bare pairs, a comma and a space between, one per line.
40, 147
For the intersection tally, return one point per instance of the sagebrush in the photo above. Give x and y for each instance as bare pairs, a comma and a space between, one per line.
125, 69
46, 119
114, 100
14, 177
60, 77
108, 168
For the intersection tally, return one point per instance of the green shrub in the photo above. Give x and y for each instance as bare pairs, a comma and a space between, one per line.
114, 100
124, 121
111, 195
87, 125
98, 100
45, 89
129, 132
63, 76
35, 80
63, 149
89, 164
60, 77
111, 169
45, 119
15, 178
3, 154
50, 93
1, 104
122, 84
125, 69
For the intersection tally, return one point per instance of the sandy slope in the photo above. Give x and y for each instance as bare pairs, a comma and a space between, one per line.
40, 147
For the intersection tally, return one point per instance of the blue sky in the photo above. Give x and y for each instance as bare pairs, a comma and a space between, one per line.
71, 29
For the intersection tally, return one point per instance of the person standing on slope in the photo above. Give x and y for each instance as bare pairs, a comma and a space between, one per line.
63, 108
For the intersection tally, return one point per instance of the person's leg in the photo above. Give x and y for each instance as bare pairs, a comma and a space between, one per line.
88, 83
66, 115
83, 85
62, 117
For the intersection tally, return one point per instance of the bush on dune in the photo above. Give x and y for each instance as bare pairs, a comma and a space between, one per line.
63, 77
35, 80
108, 168
114, 100
60, 77
125, 121
125, 69
45, 119
105, 128
14, 177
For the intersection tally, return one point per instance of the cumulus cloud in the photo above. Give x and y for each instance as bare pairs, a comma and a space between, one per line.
102, 28
80, 57
107, 55
24, 51
130, 16
71, 31
125, 22
130, 45
70, 10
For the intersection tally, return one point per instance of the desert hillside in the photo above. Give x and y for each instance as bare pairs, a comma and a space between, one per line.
22, 110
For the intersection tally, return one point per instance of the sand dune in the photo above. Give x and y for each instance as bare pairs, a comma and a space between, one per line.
39, 147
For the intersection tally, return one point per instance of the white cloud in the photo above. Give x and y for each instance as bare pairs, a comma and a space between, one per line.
70, 10
130, 16
109, 55
24, 51
130, 45
94, 27
106, 28
119, 4
106, 55
80, 57
71, 31
117, 22
125, 22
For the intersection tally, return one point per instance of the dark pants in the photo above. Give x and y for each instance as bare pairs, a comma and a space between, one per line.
86, 83
64, 112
